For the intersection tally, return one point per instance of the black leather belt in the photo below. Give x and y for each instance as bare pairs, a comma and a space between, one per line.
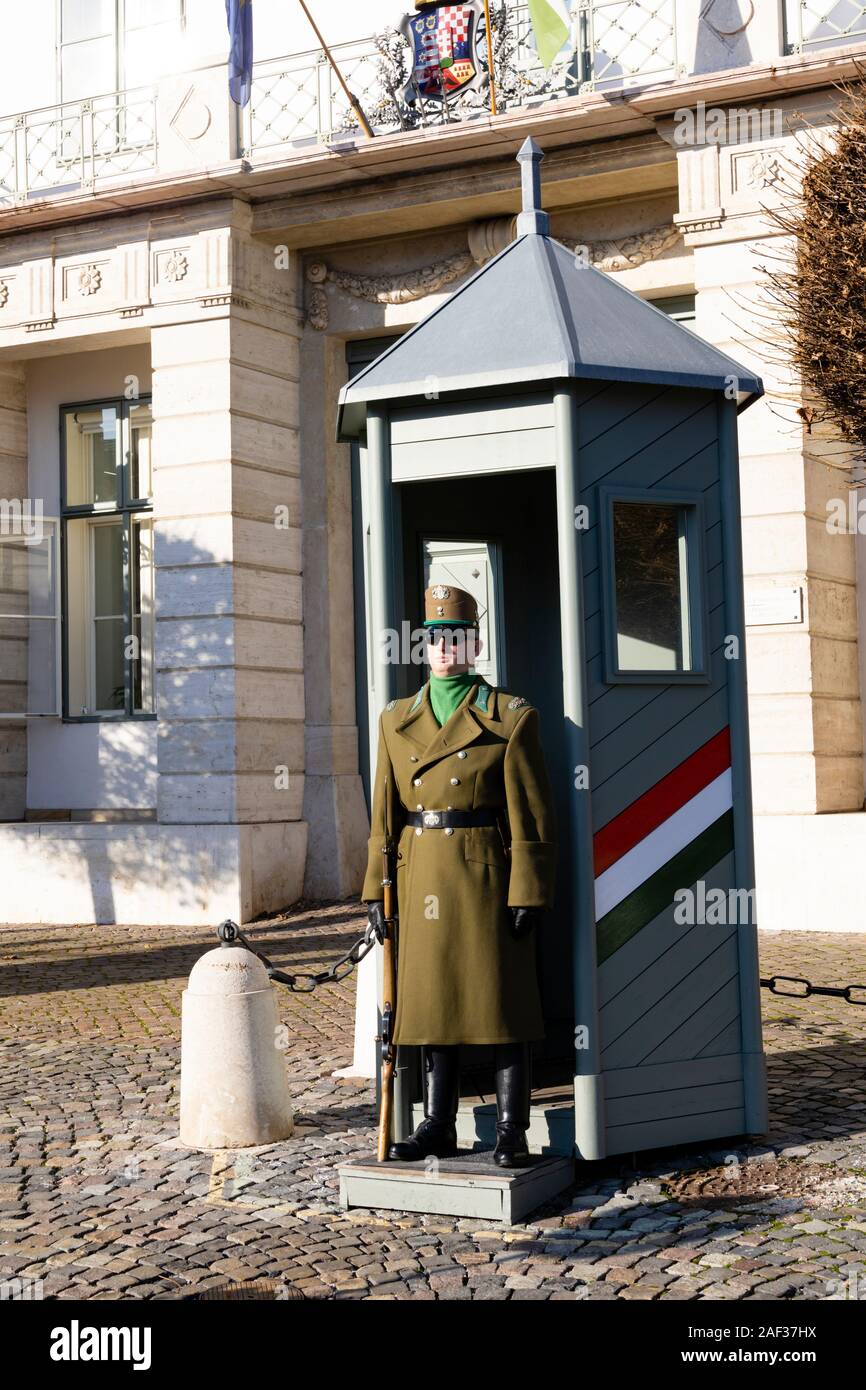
449, 820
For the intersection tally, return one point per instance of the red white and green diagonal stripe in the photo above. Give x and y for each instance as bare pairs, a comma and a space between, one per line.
669, 838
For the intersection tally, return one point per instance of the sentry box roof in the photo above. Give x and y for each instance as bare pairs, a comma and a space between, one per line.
535, 314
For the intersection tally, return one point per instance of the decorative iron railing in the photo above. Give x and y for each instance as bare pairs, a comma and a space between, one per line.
811, 25
614, 43
69, 147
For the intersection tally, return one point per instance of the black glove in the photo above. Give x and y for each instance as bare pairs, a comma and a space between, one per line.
376, 921
525, 918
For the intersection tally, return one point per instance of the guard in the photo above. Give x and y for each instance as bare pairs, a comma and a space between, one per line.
461, 780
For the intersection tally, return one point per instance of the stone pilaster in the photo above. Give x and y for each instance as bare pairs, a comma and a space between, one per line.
804, 687
334, 804
228, 590
13, 599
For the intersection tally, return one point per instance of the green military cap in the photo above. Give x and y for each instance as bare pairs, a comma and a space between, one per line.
447, 606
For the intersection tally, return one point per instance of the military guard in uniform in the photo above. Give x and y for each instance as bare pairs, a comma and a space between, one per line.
461, 786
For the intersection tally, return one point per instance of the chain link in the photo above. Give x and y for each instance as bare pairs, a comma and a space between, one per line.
229, 932
835, 991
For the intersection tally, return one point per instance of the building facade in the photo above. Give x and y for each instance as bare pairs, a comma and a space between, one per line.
184, 288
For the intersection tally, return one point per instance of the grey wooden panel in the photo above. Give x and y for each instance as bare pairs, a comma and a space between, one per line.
658, 937
684, 1129
464, 419
728, 1040
689, 447
664, 432
670, 1076
664, 1105
652, 1036
671, 748
628, 418
482, 453
610, 715
650, 990
709, 1017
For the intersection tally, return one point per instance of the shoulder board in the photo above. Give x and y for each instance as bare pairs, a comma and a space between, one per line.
517, 702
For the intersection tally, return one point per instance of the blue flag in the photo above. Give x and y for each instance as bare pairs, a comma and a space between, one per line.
239, 14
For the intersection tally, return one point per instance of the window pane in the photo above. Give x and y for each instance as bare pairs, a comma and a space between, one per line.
144, 12
108, 650
88, 69
92, 454
651, 587
140, 460
143, 614
86, 19
95, 622
28, 625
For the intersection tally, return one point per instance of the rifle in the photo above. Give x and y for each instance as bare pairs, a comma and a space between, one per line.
389, 993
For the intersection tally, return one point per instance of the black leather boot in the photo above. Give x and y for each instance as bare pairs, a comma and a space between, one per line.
513, 1065
437, 1133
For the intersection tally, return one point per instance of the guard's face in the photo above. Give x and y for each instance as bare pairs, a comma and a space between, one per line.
451, 651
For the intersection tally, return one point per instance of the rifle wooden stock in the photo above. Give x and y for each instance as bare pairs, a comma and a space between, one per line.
389, 1003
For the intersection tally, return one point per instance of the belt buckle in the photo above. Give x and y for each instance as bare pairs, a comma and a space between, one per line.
431, 820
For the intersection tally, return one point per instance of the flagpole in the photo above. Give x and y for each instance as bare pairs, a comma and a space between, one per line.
490, 58
353, 100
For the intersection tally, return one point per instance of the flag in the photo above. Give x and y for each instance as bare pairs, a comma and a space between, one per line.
239, 14
551, 25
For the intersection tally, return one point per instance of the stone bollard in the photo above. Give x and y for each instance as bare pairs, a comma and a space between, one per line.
233, 1087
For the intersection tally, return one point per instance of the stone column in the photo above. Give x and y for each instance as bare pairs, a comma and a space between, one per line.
227, 502
13, 634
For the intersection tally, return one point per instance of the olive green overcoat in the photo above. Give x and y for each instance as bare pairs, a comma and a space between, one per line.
462, 976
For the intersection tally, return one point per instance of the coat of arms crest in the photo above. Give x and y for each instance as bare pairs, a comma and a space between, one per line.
444, 43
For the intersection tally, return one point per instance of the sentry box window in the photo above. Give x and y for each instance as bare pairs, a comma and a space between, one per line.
653, 568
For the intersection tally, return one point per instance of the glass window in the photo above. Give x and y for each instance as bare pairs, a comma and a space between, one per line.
107, 45
92, 456
108, 558
652, 558
29, 621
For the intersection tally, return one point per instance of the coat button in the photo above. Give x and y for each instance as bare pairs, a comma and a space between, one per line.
448, 830
462, 754
417, 830
417, 782
455, 781
419, 807
412, 758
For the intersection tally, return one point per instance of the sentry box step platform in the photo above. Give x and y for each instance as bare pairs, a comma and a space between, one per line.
469, 1185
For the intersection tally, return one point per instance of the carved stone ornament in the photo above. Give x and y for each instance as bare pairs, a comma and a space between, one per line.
89, 279
176, 266
4, 294
486, 239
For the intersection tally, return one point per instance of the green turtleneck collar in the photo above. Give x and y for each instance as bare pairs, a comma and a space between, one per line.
447, 692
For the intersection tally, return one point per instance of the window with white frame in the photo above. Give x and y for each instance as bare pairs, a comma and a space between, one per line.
108, 45
108, 572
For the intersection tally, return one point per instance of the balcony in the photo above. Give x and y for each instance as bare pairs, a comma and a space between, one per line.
185, 125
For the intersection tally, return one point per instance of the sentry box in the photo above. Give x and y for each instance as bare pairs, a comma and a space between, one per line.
569, 453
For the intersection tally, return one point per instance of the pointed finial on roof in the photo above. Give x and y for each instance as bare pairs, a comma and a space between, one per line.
532, 218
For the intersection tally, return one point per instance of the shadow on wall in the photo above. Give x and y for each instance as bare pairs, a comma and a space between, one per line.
722, 38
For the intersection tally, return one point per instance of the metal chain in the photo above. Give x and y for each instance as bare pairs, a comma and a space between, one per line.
229, 932
837, 992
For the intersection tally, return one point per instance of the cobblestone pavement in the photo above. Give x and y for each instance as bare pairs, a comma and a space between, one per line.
98, 1199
